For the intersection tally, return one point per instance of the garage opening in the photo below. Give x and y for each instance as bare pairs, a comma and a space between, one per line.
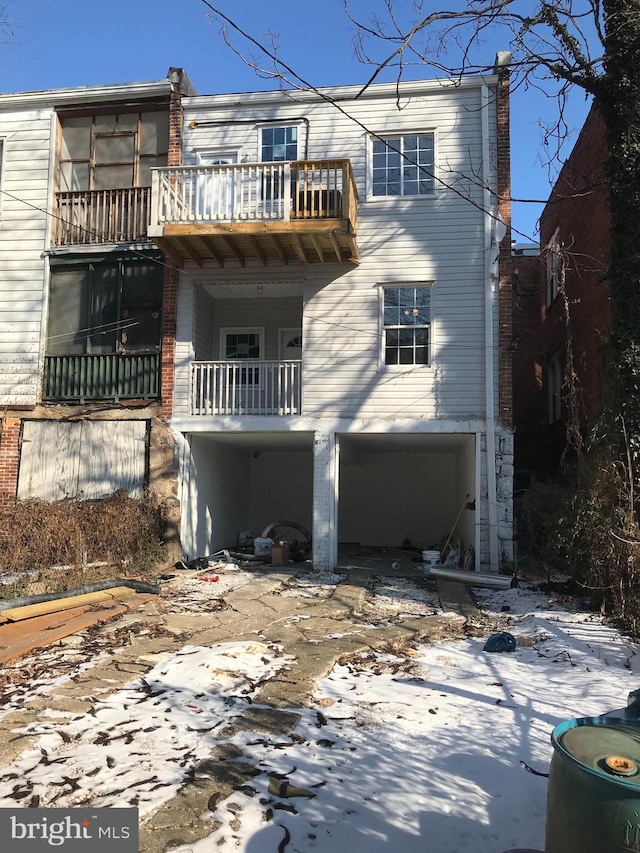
241, 482
408, 488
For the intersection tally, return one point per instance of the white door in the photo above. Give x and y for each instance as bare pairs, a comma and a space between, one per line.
290, 385
214, 194
290, 344
243, 379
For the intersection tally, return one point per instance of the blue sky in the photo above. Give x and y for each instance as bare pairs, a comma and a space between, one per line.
60, 43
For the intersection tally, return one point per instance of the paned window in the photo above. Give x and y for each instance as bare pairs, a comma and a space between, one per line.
278, 143
403, 165
406, 324
237, 344
103, 152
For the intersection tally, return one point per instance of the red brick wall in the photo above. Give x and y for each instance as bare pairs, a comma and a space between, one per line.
578, 209
170, 292
9, 459
529, 407
505, 294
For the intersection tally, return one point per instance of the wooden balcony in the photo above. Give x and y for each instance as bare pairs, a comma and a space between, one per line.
113, 376
300, 211
90, 217
246, 387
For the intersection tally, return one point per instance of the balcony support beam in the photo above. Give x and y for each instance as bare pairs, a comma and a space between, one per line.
206, 249
189, 251
277, 245
299, 249
317, 247
234, 250
255, 245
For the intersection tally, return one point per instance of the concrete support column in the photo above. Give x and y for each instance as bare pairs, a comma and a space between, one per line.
324, 501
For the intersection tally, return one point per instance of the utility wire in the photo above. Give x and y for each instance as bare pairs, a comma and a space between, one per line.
198, 280
325, 97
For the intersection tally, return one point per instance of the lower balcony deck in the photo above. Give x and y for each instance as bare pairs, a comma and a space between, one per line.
246, 387
111, 376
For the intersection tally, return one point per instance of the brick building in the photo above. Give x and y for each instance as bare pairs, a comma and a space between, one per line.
557, 331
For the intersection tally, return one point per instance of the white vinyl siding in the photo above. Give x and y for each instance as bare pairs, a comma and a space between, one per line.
26, 138
437, 237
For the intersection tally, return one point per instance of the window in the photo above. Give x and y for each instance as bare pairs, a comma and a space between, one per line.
278, 143
406, 324
102, 152
554, 267
555, 381
237, 344
105, 307
403, 165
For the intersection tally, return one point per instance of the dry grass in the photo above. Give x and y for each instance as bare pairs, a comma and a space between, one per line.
55, 546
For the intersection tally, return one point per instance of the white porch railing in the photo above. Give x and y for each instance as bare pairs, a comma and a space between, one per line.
304, 189
246, 387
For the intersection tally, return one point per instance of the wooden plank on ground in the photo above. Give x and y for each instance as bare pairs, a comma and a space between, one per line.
17, 639
28, 611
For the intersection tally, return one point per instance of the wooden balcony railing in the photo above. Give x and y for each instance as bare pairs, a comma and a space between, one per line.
89, 217
115, 376
246, 387
304, 210
304, 189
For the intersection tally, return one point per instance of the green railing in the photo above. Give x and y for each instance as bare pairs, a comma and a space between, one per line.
116, 376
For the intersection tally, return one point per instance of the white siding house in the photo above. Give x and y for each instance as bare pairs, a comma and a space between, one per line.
81, 287
337, 348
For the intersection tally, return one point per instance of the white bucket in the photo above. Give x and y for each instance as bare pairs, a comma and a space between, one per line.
430, 558
262, 546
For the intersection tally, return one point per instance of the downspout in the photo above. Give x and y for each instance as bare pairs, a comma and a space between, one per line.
489, 311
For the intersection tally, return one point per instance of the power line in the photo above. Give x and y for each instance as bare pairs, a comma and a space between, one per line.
324, 96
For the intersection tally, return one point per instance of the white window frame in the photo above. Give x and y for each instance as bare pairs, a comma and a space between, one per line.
253, 378
221, 154
274, 126
554, 375
400, 134
554, 263
241, 330
388, 285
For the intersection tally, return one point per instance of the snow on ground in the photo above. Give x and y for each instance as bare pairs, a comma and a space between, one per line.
432, 751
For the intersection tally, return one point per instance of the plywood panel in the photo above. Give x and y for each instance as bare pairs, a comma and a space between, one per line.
113, 456
82, 459
49, 460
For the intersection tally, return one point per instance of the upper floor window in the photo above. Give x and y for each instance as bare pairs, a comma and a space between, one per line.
278, 143
554, 267
117, 151
406, 324
403, 165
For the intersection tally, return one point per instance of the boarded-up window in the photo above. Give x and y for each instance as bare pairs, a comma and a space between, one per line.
82, 459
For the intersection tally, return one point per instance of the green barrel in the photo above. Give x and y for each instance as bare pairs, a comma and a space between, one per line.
593, 801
